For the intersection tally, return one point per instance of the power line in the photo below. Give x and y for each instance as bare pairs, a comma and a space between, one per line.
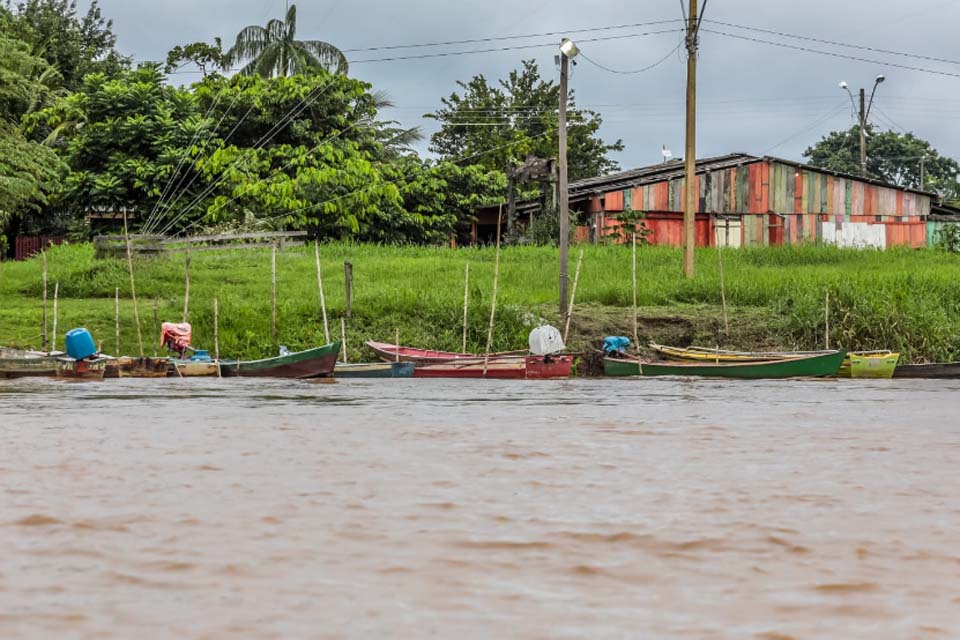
819, 121
833, 54
636, 71
835, 43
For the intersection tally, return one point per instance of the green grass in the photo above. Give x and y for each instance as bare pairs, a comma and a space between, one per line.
901, 299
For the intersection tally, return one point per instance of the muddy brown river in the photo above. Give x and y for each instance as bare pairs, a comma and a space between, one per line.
480, 509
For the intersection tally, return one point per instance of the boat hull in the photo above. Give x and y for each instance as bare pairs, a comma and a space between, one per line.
815, 366
191, 368
125, 367
392, 353
942, 370
374, 370
703, 354
504, 368
869, 365
312, 363
21, 364
71, 369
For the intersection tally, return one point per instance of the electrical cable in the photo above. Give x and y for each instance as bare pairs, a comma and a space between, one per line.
634, 72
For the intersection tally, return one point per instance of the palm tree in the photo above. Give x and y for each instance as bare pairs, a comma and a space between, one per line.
274, 51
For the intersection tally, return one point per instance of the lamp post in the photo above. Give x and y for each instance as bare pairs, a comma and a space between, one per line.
863, 114
568, 51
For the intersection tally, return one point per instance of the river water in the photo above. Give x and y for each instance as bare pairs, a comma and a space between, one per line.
480, 509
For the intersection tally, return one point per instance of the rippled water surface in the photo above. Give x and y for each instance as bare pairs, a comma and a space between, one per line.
459, 509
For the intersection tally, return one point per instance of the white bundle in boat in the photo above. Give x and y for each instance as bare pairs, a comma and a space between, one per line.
545, 341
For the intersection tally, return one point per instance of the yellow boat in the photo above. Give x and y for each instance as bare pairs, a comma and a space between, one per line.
869, 364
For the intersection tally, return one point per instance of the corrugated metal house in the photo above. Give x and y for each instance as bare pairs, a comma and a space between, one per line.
748, 200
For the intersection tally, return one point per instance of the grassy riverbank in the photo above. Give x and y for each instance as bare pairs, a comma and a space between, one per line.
905, 300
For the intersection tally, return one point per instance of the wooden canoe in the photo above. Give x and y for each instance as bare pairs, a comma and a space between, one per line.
374, 370
87, 369
391, 353
501, 367
188, 368
932, 370
312, 363
127, 367
705, 354
815, 366
869, 364
15, 363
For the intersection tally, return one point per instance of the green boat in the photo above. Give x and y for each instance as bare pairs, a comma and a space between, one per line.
312, 363
811, 366
374, 370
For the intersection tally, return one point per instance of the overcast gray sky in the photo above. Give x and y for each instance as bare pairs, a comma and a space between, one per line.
753, 97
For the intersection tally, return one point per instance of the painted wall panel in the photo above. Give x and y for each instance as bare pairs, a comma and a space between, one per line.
855, 234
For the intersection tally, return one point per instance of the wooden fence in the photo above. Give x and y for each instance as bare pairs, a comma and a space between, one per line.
26, 246
147, 245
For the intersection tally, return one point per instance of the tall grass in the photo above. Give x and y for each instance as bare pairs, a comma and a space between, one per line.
903, 299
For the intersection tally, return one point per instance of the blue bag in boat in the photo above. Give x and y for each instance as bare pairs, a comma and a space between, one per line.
615, 344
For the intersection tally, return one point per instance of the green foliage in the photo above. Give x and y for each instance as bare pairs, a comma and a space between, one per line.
631, 222
201, 54
274, 51
544, 228
948, 238
891, 157
74, 44
519, 117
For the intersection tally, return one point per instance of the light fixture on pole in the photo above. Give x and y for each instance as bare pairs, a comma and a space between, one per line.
568, 51
863, 116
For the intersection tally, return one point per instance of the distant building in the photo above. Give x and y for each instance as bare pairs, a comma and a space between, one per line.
746, 200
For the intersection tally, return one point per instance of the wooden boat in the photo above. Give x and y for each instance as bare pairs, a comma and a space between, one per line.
932, 370
501, 367
127, 367
706, 354
15, 363
804, 366
189, 368
374, 370
311, 363
391, 352
869, 364
86, 369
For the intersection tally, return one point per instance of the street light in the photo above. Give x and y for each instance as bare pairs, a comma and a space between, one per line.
863, 115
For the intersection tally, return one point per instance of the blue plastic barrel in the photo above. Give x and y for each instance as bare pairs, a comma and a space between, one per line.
80, 344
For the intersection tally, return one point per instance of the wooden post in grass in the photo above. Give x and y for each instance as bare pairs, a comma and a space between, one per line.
323, 302
396, 337
56, 295
43, 329
186, 286
133, 289
216, 334
156, 328
826, 320
273, 295
573, 297
116, 318
348, 285
493, 302
466, 301
636, 335
723, 290
343, 338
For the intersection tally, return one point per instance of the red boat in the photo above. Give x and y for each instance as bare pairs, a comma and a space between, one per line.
504, 365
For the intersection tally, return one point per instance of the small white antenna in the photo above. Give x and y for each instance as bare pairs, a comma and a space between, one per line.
666, 153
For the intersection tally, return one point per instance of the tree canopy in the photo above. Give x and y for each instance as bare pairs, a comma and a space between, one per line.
892, 157
496, 125
273, 50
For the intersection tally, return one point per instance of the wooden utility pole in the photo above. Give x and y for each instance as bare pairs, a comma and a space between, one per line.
348, 287
690, 184
186, 287
273, 296
133, 288
562, 185
43, 255
863, 133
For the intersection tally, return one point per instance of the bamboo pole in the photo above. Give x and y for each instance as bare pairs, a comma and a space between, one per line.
56, 295
343, 338
186, 287
273, 297
156, 328
723, 290
43, 330
323, 302
826, 320
216, 335
636, 335
466, 300
396, 338
573, 297
133, 289
116, 318
493, 302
